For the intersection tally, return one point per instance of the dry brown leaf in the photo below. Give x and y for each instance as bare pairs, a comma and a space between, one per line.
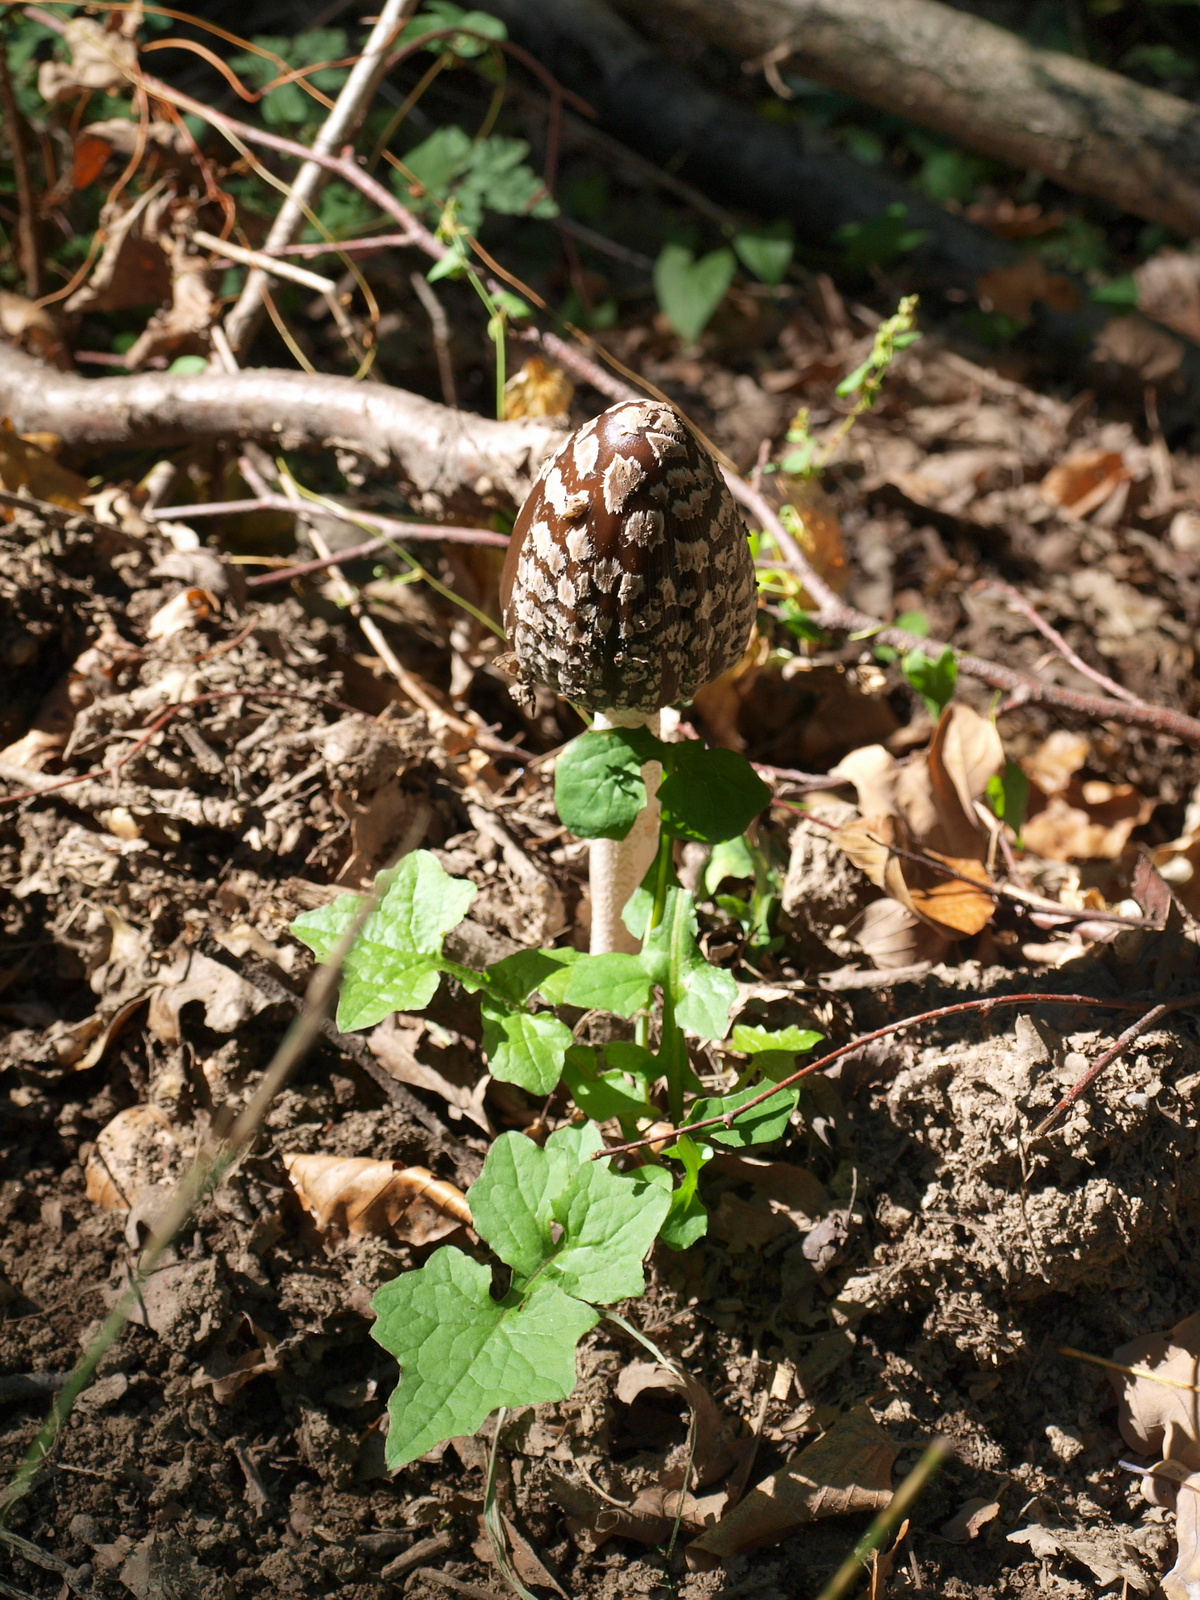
224, 1374
183, 610
848, 1469
1014, 289
882, 1563
1091, 822
1084, 481
134, 268
101, 59
954, 904
716, 1434
1057, 760
965, 754
376, 1199
970, 1517
136, 1149
394, 1042
1106, 1552
1160, 1415
745, 1225
32, 327
1001, 215
28, 468
227, 998
1138, 350
538, 389
184, 326
891, 935
1168, 287
792, 1186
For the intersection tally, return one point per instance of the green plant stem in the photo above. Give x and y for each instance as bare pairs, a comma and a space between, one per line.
672, 1050
662, 879
887, 1521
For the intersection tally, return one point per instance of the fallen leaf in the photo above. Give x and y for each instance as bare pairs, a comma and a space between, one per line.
1090, 822
134, 268
224, 1374
1137, 350
227, 998
794, 1187
100, 60
882, 1563
538, 389
376, 1199
1057, 760
1168, 289
32, 327
394, 1042
1103, 1551
1084, 481
969, 1519
136, 1149
1160, 1414
183, 610
26, 467
182, 327
1001, 215
848, 1469
1014, 289
716, 1435
891, 935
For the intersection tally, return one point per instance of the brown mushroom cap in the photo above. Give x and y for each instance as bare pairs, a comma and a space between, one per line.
628, 583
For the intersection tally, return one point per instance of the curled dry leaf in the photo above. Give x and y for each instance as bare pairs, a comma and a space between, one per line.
1168, 288
1083, 482
1159, 1415
364, 1198
1135, 349
1073, 819
1013, 290
32, 327
136, 1149
716, 1447
227, 998
101, 60
848, 1469
925, 805
538, 389
183, 610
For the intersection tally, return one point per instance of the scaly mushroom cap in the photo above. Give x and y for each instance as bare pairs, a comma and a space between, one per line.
628, 584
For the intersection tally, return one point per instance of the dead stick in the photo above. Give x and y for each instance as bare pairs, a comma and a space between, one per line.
1016, 601
26, 208
1141, 1026
986, 1005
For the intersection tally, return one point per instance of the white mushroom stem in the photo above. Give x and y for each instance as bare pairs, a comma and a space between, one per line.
617, 866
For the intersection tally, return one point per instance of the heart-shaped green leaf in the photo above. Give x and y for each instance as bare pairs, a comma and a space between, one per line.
689, 291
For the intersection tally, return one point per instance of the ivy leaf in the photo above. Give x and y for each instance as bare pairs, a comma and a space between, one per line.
524, 1047
462, 1354
766, 251
710, 795
395, 963
766, 1123
598, 786
689, 291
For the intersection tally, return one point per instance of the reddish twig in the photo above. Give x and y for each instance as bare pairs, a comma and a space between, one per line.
961, 1006
161, 721
26, 208
1016, 601
832, 612
1141, 1026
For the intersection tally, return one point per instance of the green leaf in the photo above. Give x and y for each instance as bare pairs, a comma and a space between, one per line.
766, 1123
773, 1052
189, 364
1008, 795
766, 251
598, 786
512, 1197
462, 1354
934, 679
704, 994
394, 964
616, 982
528, 972
601, 1095
524, 1047
687, 1219
709, 795
609, 1221
709, 996
438, 160
731, 858
689, 291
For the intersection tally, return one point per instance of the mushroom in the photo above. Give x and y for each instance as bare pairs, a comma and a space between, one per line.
627, 587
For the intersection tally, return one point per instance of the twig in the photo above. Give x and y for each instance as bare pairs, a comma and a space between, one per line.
42, 1558
164, 717
1016, 601
396, 527
26, 209
1141, 1026
831, 612
441, 336
962, 1006
351, 102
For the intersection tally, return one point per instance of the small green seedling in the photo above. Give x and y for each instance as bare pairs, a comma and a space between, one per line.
571, 1231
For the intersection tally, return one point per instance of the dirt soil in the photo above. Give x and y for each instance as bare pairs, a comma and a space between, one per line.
231, 1444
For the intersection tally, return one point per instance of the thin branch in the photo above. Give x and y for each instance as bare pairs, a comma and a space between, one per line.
985, 1006
832, 613
351, 103
436, 313
1083, 1084
26, 209
396, 528
1016, 601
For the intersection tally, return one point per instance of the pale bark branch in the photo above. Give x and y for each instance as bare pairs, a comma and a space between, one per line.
442, 459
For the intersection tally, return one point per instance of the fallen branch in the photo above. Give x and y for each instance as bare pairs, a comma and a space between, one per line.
442, 459
1091, 130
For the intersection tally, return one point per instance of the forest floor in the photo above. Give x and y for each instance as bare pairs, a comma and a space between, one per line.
911, 1253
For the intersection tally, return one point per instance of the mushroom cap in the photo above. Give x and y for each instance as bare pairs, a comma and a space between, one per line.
628, 583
